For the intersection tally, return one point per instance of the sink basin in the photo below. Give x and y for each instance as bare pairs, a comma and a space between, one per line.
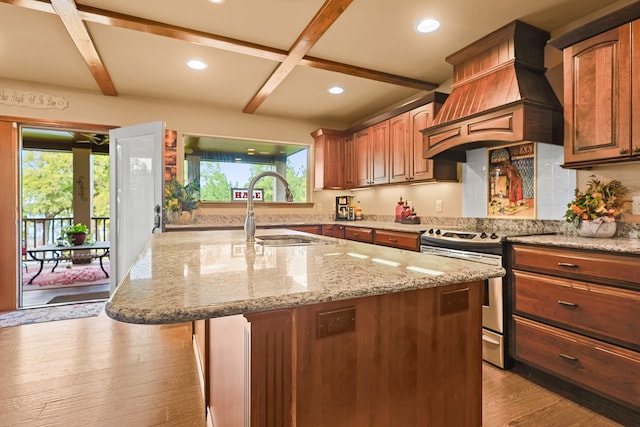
290, 240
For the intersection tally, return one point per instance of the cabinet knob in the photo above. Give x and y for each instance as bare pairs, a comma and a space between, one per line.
636, 149
623, 151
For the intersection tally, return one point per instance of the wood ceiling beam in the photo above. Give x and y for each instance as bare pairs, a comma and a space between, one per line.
324, 18
109, 18
366, 73
77, 29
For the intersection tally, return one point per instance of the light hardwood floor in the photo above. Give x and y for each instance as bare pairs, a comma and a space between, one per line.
99, 372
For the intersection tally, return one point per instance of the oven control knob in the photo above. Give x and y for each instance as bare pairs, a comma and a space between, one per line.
483, 235
430, 231
438, 232
494, 236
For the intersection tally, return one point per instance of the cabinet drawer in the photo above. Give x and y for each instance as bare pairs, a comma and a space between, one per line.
333, 231
314, 229
603, 368
574, 264
397, 239
359, 234
601, 310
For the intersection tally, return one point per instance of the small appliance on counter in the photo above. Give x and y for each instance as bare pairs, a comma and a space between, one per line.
344, 208
405, 213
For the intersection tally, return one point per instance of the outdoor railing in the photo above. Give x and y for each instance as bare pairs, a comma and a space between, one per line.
43, 231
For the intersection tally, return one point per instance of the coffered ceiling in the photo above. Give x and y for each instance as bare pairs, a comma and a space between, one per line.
275, 57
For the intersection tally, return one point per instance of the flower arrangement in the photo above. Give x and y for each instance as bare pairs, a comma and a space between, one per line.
180, 198
603, 202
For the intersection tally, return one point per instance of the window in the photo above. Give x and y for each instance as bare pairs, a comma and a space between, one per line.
220, 164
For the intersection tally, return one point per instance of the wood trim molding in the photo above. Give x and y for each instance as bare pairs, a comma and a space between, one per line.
9, 214
106, 17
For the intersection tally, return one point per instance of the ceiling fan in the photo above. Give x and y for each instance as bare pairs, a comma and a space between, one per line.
93, 138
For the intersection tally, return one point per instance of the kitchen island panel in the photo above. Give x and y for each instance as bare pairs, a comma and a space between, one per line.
408, 358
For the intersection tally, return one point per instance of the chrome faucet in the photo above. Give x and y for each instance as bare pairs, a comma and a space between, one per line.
250, 221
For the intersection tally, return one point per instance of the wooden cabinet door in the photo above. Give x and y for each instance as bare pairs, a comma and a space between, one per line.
400, 148
333, 231
380, 153
329, 154
362, 158
635, 89
349, 162
597, 97
421, 118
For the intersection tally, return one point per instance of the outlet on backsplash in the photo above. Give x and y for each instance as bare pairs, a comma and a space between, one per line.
438, 205
635, 205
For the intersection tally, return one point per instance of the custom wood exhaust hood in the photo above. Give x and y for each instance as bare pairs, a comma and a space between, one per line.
499, 95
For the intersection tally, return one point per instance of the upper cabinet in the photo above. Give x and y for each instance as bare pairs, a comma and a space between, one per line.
602, 90
329, 151
386, 149
598, 98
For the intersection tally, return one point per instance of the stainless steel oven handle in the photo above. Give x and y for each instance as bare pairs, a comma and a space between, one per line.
490, 340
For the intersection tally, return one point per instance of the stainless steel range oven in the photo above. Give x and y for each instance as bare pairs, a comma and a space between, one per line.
485, 248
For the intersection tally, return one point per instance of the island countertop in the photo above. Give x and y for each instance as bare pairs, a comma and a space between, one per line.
196, 275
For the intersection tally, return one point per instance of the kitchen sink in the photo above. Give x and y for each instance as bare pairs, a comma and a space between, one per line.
290, 240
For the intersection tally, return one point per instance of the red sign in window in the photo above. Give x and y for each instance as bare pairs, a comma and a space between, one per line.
243, 194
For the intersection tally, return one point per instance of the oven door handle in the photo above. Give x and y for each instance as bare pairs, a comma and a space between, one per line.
489, 340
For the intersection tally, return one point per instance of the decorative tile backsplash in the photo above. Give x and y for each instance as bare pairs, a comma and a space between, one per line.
554, 185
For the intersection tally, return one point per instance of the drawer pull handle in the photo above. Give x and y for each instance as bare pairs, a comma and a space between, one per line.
393, 240
567, 303
567, 357
566, 264
356, 235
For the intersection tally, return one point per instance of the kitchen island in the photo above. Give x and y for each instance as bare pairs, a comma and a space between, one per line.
331, 333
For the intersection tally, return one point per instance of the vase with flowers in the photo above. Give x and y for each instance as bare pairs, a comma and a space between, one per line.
179, 201
594, 212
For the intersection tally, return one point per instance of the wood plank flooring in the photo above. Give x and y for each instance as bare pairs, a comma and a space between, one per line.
99, 372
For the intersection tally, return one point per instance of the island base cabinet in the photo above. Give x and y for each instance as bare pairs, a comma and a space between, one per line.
609, 370
410, 358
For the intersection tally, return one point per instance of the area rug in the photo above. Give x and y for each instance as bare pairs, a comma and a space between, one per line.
77, 275
90, 296
50, 314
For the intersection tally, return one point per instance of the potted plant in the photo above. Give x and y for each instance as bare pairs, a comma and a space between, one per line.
76, 234
594, 212
179, 198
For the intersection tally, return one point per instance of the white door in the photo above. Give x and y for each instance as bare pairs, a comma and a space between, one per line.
137, 184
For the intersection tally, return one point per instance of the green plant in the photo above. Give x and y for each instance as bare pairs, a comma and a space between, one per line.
76, 228
598, 201
180, 198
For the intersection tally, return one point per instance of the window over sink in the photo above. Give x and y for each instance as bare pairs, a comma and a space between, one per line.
219, 164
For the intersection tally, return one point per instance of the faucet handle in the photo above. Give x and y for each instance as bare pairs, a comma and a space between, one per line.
288, 195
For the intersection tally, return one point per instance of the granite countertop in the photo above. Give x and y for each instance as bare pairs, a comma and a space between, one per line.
615, 244
195, 275
283, 223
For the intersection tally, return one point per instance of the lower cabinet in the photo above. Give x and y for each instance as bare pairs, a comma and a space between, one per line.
313, 229
334, 230
359, 234
357, 362
397, 239
577, 320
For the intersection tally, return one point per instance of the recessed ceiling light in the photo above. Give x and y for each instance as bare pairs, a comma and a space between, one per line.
217, 1
336, 90
427, 25
196, 64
